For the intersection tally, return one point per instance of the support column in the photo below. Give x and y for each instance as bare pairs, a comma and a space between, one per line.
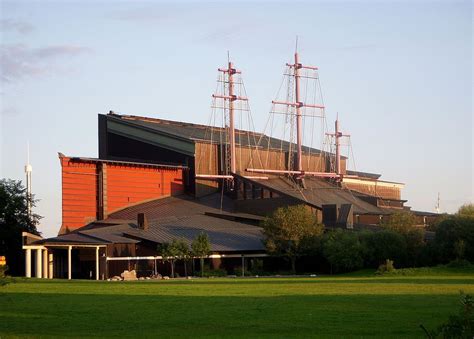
28, 263
50, 265
39, 263
97, 263
69, 261
45, 264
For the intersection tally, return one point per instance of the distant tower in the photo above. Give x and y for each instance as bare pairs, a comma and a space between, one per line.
28, 170
438, 205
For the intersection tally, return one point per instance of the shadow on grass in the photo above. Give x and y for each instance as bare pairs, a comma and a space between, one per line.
435, 280
101, 315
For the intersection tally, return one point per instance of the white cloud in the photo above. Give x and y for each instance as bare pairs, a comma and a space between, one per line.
18, 61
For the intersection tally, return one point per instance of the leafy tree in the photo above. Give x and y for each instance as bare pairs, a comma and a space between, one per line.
455, 239
288, 230
383, 245
404, 223
183, 253
169, 252
401, 222
457, 326
343, 250
14, 219
466, 210
201, 247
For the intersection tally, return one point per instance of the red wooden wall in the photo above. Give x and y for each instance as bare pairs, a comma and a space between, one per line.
92, 189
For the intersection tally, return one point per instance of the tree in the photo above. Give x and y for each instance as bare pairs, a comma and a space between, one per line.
183, 253
466, 210
454, 238
286, 232
404, 223
343, 250
401, 222
201, 247
382, 245
14, 219
169, 252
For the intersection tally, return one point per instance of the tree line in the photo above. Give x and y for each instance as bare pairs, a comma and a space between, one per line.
292, 232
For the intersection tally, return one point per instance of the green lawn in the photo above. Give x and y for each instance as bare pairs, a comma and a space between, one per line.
356, 305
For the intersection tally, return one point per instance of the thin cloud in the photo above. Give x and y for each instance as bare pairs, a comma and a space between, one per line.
19, 61
9, 112
18, 26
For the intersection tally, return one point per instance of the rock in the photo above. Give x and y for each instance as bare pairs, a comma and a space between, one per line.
129, 275
141, 278
166, 277
147, 278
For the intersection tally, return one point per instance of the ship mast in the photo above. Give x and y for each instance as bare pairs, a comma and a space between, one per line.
297, 168
337, 136
230, 97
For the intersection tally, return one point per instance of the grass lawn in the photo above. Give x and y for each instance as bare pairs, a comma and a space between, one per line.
355, 305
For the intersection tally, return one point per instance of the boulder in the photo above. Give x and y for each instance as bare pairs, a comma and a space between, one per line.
129, 275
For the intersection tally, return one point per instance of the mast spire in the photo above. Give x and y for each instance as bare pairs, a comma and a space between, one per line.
231, 97
298, 104
337, 136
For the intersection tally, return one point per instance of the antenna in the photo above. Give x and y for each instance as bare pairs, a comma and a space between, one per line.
437, 207
28, 171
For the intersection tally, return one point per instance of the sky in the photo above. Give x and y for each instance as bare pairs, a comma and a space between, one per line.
399, 74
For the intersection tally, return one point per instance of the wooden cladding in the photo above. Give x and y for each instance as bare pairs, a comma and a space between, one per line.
93, 189
208, 159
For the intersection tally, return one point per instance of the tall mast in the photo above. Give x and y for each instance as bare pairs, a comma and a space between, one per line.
231, 97
298, 104
297, 168
338, 135
231, 117
299, 118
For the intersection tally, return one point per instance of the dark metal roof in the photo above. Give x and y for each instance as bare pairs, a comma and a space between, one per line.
224, 235
182, 205
197, 132
179, 217
72, 238
112, 234
318, 192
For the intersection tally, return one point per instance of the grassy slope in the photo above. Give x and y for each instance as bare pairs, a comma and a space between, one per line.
349, 306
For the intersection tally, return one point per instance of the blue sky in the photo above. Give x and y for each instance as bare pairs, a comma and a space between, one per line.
398, 73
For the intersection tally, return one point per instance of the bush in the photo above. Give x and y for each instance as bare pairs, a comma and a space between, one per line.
343, 251
460, 263
387, 267
455, 239
457, 326
378, 246
3, 276
214, 273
